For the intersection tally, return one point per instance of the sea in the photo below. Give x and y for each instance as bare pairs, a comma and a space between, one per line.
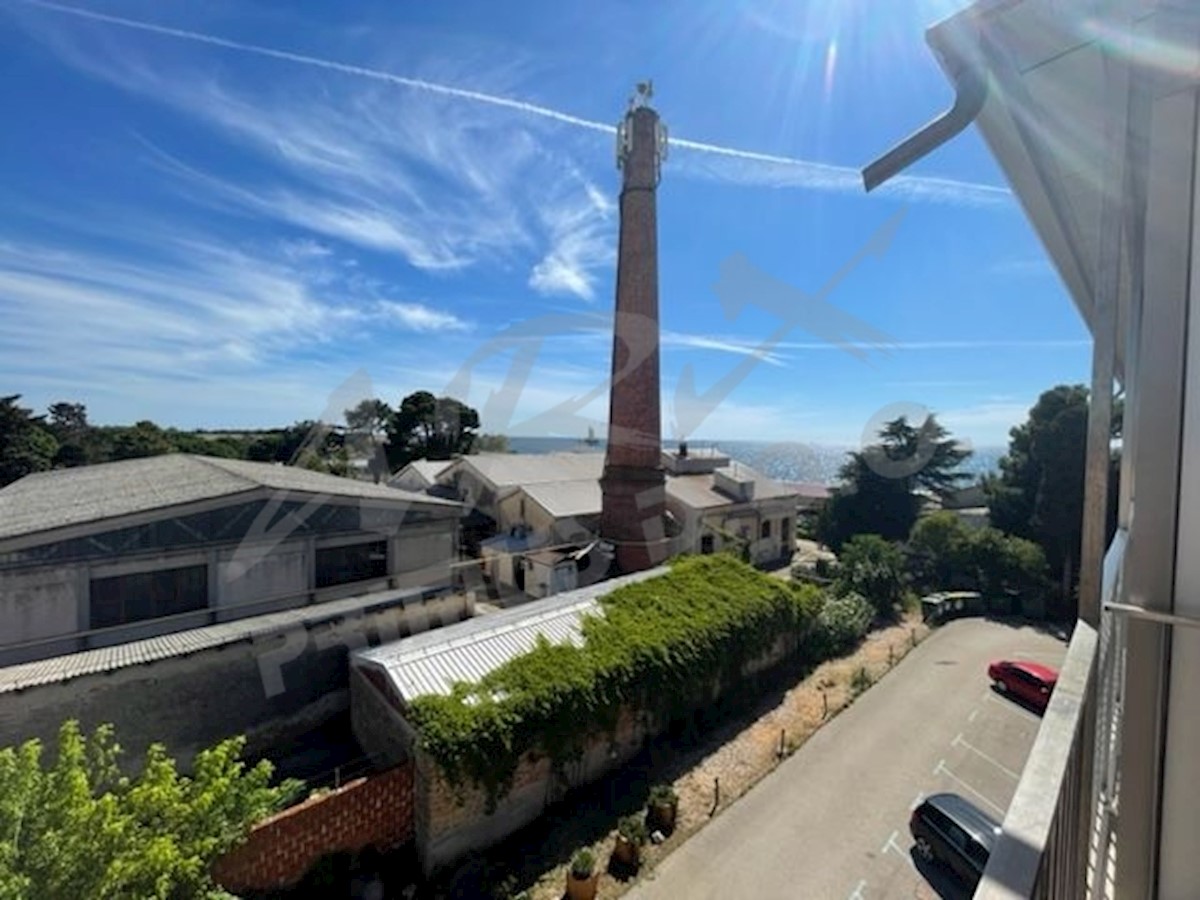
781, 460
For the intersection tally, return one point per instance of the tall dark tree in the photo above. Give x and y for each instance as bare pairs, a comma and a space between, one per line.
429, 427
369, 416
878, 491
75, 435
26, 446
1039, 492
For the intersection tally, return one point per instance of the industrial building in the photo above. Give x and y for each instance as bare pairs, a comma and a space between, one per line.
187, 598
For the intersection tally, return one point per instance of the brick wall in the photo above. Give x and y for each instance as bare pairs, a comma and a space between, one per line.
376, 811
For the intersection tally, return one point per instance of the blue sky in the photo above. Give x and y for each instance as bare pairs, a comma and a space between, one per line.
238, 214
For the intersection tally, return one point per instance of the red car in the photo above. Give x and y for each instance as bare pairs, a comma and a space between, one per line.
1028, 681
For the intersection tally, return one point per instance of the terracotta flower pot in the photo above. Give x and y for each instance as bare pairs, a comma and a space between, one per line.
627, 853
582, 888
662, 816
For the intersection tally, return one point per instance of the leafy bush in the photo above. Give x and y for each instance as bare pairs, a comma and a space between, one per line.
662, 795
841, 624
709, 614
875, 568
633, 829
78, 828
583, 863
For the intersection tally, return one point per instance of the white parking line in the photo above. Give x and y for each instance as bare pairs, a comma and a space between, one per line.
938, 767
917, 802
857, 893
891, 839
1012, 706
971, 717
942, 770
960, 742
892, 845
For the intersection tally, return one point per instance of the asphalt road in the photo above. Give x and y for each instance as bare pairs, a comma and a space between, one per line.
832, 821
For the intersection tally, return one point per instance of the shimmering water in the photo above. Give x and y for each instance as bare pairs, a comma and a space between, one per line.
785, 460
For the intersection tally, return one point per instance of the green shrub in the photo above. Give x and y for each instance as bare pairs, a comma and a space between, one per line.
583, 863
708, 614
662, 795
633, 829
841, 624
875, 568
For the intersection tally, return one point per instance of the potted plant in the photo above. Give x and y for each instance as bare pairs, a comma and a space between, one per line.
662, 807
582, 877
631, 834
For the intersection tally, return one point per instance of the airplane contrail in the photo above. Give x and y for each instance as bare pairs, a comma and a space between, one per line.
822, 174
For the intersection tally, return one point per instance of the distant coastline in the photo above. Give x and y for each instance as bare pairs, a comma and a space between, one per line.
784, 460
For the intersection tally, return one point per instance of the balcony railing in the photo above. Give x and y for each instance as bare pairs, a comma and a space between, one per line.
1056, 840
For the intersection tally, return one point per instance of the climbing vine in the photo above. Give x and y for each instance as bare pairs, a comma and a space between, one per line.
660, 646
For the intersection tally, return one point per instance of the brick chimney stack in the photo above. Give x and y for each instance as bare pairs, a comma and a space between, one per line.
634, 499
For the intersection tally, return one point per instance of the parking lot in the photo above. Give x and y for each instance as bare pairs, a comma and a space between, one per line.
832, 821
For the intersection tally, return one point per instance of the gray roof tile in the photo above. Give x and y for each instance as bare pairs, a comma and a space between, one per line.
63, 497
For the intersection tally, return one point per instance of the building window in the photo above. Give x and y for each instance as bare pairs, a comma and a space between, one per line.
354, 562
148, 595
765, 529
786, 530
706, 543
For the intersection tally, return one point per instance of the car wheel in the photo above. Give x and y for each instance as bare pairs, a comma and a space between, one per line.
924, 849
1000, 686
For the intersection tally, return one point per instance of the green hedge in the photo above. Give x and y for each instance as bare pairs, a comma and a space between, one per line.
659, 647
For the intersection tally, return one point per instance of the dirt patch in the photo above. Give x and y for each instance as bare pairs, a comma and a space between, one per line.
729, 762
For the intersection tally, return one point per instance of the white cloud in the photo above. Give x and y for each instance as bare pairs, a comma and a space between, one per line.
729, 163
579, 226
420, 318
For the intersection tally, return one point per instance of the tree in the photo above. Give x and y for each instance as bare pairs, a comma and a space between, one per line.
491, 443
26, 446
369, 417
1039, 492
78, 828
428, 427
939, 550
69, 425
878, 493
873, 567
142, 440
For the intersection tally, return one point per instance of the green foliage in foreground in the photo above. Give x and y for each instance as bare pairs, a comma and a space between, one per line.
76, 828
659, 647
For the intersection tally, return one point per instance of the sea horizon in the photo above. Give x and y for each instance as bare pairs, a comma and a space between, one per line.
797, 461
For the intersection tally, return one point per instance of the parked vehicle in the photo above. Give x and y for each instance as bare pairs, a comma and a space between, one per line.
951, 830
1028, 681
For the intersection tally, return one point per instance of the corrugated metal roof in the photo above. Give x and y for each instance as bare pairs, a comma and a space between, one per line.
108, 659
431, 663
49, 500
428, 469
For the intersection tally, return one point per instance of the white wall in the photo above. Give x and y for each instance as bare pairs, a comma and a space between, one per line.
38, 603
247, 574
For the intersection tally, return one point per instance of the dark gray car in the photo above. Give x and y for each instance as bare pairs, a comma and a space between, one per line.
955, 832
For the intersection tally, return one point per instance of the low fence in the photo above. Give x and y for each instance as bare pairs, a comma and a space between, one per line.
375, 811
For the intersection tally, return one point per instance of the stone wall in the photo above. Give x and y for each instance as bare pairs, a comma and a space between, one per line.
376, 811
452, 820
273, 688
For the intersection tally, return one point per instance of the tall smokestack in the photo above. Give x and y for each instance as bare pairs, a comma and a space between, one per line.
634, 499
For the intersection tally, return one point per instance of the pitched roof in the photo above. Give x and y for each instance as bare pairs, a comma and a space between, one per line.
428, 469
512, 469
63, 497
563, 499
108, 659
431, 663
700, 491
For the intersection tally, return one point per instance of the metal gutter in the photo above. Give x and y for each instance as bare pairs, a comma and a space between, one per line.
971, 91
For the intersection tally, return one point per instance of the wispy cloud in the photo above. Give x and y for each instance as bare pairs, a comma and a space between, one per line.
581, 233
740, 347
748, 167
